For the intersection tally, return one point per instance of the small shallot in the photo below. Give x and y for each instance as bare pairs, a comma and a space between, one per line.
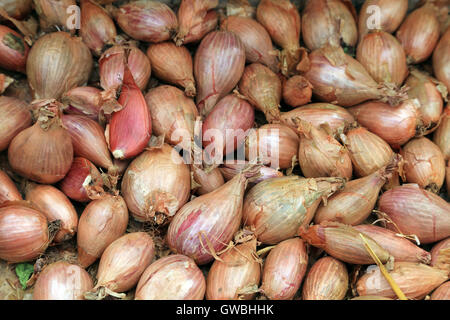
86, 101
441, 59
297, 91
207, 182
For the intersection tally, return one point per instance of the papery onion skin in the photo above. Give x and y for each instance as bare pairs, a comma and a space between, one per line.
15, 117
157, 181
368, 151
218, 65
97, 28
320, 155
124, 260
50, 65
442, 134
13, 50
447, 178
395, 125
355, 202
62, 281
55, 206
240, 8
277, 207
42, 153
24, 233
229, 122
440, 254
441, 59
284, 269
429, 95
256, 39
53, 12
343, 242
175, 277
327, 280
112, 67
335, 117
149, 21
19, 89
297, 91
173, 64
231, 169
400, 248
416, 211
208, 181
102, 221
82, 176
383, 57
17, 9
88, 139
238, 270
5, 82
415, 280
442, 292
424, 164
339, 79
8, 190
130, 129
391, 15
328, 21
263, 89
367, 297
85, 101
276, 145
419, 34
209, 23
173, 115
203, 221
191, 14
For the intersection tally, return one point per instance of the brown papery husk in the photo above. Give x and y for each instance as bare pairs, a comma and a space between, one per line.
442, 135
231, 168
273, 144
416, 211
62, 281
320, 154
394, 124
208, 24
282, 20
173, 64
123, 262
399, 247
429, 93
355, 202
297, 91
156, 184
419, 34
284, 269
206, 225
328, 279
172, 277
440, 255
391, 15
328, 21
337, 118
441, 59
240, 8
383, 57
85, 101
190, 14
368, 151
218, 65
17, 9
343, 242
424, 164
442, 292
97, 28
8, 190
239, 270
415, 280
55, 206
172, 113
15, 117
43, 152
206, 181
339, 79
50, 65
53, 13
277, 207
102, 221
5, 81
256, 39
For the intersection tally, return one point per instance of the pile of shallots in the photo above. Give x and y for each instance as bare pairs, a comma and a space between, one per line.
221, 150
